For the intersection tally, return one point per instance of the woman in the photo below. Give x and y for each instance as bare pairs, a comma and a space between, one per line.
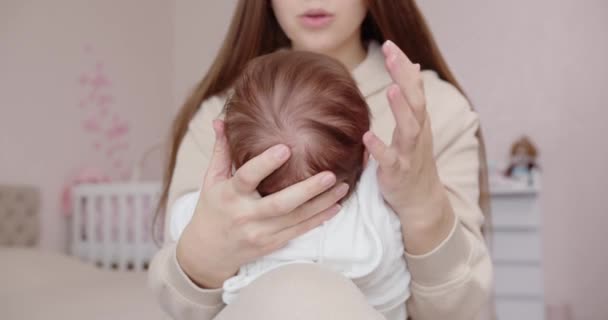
424, 137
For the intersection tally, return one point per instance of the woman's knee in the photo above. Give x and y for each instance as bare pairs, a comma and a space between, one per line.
304, 290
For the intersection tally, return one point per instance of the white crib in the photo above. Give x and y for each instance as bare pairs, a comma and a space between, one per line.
112, 224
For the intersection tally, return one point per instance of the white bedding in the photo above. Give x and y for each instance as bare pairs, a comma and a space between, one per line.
35, 284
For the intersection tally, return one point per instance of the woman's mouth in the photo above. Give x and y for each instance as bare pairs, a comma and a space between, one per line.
316, 18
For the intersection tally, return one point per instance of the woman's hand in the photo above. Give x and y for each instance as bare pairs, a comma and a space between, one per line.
407, 172
233, 225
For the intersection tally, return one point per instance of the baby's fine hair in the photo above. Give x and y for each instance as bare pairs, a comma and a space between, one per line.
306, 101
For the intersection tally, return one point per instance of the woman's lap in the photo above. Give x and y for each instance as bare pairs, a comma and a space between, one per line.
300, 291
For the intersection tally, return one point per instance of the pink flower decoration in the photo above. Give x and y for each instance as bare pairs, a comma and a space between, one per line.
91, 125
91, 97
99, 80
117, 164
109, 135
117, 130
112, 150
83, 80
105, 100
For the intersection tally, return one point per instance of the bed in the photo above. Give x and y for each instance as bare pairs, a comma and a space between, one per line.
45, 285
103, 278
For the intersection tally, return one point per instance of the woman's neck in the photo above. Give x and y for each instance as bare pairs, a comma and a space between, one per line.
351, 53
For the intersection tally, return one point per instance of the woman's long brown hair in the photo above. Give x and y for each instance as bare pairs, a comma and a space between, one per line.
254, 31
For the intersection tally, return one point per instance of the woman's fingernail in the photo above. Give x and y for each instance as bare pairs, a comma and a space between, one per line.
217, 127
392, 58
389, 45
281, 152
392, 92
337, 208
342, 189
368, 137
328, 179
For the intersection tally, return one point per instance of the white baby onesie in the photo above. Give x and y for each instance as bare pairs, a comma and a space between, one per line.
363, 242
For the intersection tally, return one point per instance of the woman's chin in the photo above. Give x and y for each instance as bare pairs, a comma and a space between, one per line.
317, 45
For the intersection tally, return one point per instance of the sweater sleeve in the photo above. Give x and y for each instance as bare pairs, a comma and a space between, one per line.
177, 294
454, 280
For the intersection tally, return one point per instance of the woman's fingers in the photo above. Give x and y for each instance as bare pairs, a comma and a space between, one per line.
390, 47
386, 156
407, 125
316, 206
247, 178
297, 230
408, 77
220, 165
290, 198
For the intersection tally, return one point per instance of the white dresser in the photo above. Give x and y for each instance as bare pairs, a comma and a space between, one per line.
516, 251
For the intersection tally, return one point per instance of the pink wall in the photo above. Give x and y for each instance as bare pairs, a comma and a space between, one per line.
539, 68
199, 31
43, 55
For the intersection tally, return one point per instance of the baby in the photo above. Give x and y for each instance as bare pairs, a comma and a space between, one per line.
310, 103
306, 101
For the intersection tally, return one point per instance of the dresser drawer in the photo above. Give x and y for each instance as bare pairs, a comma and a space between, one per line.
515, 212
516, 246
518, 280
520, 309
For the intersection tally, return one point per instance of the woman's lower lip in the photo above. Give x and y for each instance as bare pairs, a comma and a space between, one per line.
316, 21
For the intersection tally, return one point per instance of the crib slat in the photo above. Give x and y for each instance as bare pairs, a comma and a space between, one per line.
138, 224
123, 227
90, 241
155, 226
107, 223
76, 222
151, 202
111, 223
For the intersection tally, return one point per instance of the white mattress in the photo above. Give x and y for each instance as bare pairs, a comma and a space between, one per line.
43, 285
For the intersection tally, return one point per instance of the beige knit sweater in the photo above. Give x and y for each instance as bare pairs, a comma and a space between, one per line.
451, 282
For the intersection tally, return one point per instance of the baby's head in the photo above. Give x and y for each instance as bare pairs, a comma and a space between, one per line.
306, 101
